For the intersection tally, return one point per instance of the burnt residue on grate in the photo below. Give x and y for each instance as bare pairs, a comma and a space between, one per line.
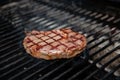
100, 29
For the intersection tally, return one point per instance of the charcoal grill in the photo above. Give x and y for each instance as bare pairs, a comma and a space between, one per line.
100, 25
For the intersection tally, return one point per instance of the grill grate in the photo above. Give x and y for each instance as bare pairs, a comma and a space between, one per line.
100, 28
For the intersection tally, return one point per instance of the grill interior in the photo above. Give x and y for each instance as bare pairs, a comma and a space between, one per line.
100, 60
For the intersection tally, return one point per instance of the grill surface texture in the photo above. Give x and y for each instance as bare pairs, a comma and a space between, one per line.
100, 60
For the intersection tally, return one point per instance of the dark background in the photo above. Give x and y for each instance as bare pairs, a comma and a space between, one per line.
3, 2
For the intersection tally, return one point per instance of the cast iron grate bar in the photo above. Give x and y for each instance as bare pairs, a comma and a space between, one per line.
103, 19
96, 61
111, 72
106, 64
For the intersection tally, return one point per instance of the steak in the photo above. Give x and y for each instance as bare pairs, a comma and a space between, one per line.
54, 44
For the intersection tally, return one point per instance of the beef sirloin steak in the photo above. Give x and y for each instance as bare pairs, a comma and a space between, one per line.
54, 44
